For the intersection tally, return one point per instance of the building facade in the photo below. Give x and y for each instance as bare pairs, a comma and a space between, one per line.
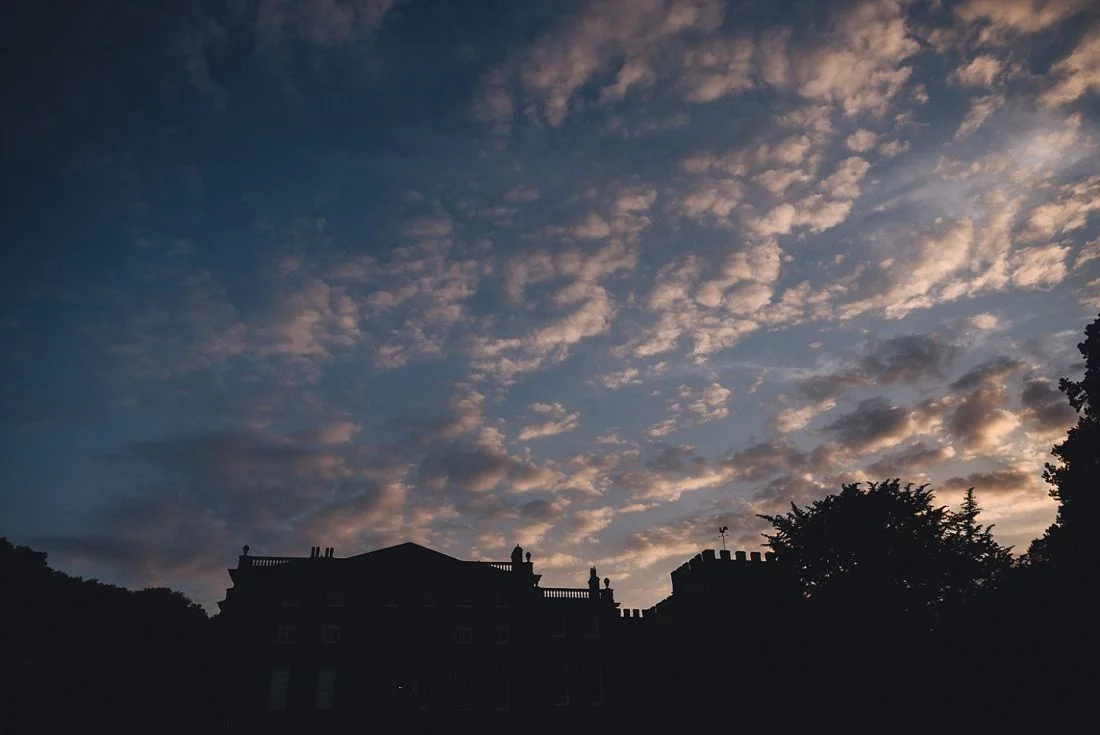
408, 640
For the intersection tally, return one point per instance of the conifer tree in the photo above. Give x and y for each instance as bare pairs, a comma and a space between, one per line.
1075, 478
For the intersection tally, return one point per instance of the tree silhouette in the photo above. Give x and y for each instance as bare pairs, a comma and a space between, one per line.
1075, 480
892, 584
886, 548
979, 560
83, 656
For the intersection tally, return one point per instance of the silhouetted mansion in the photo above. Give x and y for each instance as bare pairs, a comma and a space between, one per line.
409, 640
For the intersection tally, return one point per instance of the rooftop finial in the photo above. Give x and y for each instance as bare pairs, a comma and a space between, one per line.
245, 550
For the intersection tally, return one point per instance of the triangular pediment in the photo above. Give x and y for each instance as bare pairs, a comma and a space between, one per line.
409, 551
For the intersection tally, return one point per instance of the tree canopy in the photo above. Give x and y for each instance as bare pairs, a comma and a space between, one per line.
1075, 477
887, 546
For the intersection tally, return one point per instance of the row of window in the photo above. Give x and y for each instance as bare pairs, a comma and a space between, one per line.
332, 634
409, 690
464, 633
280, 688
387, 597
400, 691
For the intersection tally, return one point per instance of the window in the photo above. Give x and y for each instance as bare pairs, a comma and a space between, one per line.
326, 688
388, 596
285, 633
503, 687
500, 635
335, 597
464, 633
427, 598
558, 626
561, 686
280, 684
330, 634
291, 598
595, 683
501, 598
464, 599
464, 689
593, 627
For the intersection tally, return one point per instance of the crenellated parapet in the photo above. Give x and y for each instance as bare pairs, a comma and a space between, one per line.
708, 570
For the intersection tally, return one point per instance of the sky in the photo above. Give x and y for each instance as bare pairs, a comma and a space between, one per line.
592, 277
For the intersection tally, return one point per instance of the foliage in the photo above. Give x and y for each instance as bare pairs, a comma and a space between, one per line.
94, 657
979, 560
887, 548
1075, 479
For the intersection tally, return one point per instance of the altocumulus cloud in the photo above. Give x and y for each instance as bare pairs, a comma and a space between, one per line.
597, 278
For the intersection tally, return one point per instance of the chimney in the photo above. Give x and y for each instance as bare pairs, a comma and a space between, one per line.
708, 554
755, 556
769, 556
740, 556
725, 554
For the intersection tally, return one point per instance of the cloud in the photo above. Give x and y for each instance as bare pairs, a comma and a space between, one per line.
717, 69
981, 71
710, 404
862, 68
563, 60
662, 428
494, 104
980, 110
586, 524
338, 432
991, 373
1041, 267
919, 274
687, 304
1045, 407
645, 548
914, 459
874, 424
1001, 481
1077, 74
1003, 17
562, 422
324, 23
1066, 212
893, 148
507, 358
795, 419
902, 359
673, 471
980, 420
861, 141
620, 379
763, 460
481, 470
417, 297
